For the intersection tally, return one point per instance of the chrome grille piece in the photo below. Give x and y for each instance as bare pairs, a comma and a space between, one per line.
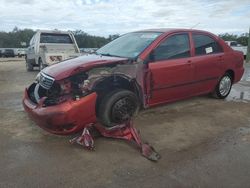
46, 81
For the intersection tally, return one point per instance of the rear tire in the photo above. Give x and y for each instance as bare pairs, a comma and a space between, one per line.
223, 87
117, 107
41, 65
29, 66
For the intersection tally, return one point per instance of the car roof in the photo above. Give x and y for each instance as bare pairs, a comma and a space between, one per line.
170, 30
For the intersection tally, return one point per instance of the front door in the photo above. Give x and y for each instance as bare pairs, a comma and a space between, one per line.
171, 69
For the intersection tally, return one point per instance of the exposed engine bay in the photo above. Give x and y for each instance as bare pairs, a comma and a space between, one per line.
58, 91
83, 83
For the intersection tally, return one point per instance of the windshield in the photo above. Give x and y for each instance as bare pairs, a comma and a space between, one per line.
129, 45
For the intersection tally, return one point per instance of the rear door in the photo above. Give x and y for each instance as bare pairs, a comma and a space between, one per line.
31, 50
208, 62
171, 69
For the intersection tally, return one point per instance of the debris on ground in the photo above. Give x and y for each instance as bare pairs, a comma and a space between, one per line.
125, 131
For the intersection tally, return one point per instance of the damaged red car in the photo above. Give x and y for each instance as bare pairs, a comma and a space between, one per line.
136, 71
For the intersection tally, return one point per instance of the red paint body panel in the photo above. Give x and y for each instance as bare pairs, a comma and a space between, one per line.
167, 78
185, 77
207, 69
65, 118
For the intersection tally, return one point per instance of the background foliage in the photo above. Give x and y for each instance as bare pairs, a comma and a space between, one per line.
14, 38
242, 39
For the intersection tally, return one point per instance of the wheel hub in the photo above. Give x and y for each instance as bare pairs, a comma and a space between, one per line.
225, 85
123, 110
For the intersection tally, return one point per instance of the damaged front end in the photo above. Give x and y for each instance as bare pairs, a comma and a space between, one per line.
102, 90
60, 107
67, 105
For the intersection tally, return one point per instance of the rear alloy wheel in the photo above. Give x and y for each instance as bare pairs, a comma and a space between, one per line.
224, 86
41, 65
117, 107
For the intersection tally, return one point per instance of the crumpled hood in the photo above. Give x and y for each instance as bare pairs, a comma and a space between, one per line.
70, 67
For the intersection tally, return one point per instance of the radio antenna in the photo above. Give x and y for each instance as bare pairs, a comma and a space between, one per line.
195, 25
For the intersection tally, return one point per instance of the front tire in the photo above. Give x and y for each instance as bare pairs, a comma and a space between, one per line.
117, 107
223, 87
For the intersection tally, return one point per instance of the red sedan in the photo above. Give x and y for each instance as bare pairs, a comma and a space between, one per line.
136, 71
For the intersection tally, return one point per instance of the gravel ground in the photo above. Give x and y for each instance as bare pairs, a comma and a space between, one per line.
203, 142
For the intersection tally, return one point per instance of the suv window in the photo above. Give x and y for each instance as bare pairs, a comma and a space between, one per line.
55, 38
205, 45
176, 46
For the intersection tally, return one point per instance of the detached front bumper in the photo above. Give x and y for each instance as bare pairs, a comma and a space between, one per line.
65, 118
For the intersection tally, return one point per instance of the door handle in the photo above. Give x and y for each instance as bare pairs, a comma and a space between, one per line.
221, 58
189, 62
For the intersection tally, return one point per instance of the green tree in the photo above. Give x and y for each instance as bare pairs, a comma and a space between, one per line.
85, 40
241, 39
228, 37
14, 38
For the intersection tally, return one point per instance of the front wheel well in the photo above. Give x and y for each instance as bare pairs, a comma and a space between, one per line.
108, 84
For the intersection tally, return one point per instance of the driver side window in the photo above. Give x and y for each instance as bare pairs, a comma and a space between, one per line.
174, 47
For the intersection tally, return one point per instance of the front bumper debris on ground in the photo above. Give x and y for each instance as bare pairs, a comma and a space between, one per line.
125, 131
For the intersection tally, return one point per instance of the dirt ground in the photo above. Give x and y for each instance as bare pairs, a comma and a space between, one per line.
203, 142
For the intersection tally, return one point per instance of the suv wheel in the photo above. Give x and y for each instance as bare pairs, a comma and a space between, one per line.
117, 107
29, 66
41, 65
224, 86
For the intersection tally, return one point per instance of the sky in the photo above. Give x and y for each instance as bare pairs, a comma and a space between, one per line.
107, 17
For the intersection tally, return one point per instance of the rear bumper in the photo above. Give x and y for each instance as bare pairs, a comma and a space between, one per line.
238, 74
63, 119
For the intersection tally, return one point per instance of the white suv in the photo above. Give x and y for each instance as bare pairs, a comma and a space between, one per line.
49, 47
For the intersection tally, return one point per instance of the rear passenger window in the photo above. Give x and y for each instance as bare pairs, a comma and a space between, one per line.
205, 45
176, 46
55, 38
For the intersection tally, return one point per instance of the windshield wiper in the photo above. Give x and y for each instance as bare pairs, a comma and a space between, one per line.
108, 54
